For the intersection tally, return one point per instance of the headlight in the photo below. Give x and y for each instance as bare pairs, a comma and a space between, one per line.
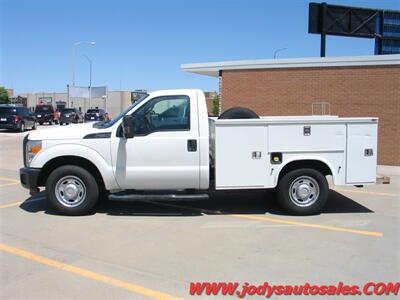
32, 148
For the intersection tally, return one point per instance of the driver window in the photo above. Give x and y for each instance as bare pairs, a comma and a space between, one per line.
168, 113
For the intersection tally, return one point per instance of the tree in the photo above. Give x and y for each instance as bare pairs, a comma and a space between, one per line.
3, 95
215, 105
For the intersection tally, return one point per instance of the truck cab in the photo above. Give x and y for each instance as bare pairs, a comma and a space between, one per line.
170, 143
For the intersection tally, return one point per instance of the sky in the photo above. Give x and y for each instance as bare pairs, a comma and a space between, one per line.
141, 44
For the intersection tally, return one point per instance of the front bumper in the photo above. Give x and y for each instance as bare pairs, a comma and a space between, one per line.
93, 119
29, 179
68, 120
44, 119
8, 126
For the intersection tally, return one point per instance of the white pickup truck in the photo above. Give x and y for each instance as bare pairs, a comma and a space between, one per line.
165, 147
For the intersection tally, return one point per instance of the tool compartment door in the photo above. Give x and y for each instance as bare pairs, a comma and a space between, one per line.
361, 153
240, 156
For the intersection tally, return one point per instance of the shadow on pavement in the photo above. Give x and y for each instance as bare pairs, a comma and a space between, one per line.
232, 202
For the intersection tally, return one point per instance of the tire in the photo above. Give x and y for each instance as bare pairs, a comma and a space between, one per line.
310, 195
83, 188
34, 127
61, 123
40, 123
21, 127
238, 113
51, 122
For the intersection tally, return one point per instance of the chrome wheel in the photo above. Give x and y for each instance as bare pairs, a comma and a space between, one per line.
70, 191
304, 191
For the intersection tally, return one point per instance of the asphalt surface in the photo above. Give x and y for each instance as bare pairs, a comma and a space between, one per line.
152, 250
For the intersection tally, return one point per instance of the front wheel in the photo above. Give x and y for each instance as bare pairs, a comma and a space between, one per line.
72, 190
303, 192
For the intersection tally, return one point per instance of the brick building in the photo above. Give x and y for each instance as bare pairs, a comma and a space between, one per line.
353, 86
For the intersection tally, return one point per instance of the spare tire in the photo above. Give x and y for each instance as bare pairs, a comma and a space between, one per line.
238, 113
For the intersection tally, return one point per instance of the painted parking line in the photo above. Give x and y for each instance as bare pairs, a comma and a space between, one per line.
12, 204
9, 179
88, 274
366, 192
8, 184
278, 220
319, 226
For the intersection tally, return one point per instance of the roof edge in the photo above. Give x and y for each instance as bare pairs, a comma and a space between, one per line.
213, 68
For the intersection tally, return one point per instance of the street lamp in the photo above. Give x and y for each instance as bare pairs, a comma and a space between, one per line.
90, 71
278, 50
90, 78
75, 45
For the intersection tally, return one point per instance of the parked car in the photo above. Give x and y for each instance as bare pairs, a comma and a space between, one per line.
16, 118
166, 142
71, 115
46, 113
96, 114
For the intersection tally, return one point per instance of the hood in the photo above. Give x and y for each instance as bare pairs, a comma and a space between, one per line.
69, 132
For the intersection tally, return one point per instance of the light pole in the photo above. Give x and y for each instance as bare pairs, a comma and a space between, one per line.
278, 50
75, 45
90, 78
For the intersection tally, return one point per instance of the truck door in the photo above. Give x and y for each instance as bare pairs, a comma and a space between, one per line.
164, 152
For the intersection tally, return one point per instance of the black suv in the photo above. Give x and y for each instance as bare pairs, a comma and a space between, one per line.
71, 115
95, 114
46, 113
16, 118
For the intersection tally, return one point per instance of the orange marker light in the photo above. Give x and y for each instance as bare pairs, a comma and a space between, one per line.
36, 149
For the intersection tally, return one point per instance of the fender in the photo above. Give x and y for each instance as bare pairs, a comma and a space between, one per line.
301, 158
78, 150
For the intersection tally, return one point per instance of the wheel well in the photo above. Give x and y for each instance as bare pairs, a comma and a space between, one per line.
309, 164
70, 160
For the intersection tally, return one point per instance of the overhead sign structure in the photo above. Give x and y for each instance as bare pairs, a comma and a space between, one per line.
383, 25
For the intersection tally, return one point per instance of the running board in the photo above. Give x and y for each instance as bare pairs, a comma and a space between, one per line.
124, 196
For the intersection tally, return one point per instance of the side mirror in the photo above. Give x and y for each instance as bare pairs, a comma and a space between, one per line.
127, 127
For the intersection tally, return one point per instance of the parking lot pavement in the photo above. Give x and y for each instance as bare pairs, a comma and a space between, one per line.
154, 249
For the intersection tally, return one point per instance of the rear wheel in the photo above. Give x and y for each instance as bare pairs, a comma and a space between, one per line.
34, 125
303, 192
40, 123
72, 190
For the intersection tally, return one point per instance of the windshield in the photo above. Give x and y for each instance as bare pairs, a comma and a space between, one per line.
92, 111
106, 124
8, 111
67, 110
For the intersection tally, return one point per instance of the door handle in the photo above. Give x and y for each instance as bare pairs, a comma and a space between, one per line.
192, 145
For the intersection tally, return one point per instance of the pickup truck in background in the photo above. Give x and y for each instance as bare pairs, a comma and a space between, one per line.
165, 147
46, 113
